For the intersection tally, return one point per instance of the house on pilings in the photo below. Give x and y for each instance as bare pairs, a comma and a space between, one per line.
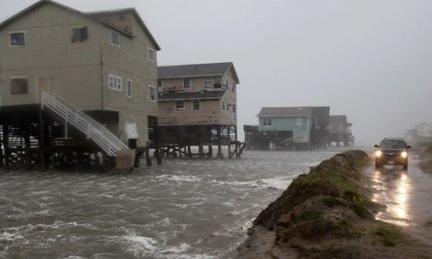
340, 131
94, 75
198, 107
288, 128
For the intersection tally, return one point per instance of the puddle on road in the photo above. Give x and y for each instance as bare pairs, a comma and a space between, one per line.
406, 196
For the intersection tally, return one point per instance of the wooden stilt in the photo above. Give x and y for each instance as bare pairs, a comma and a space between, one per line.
189, 151
229, 142
210, 151
219, 154
1, 147
147, 154
6, 145
27, 144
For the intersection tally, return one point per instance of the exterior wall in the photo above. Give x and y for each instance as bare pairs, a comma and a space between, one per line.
50, 53
209, 113
130, 61
230, 99
78, 72
301, 134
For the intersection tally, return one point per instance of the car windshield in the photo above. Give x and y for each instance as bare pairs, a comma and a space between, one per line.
393, 143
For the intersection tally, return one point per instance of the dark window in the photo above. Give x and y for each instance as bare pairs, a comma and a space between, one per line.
129, 88
17, 39
79, 34
180, 105
267, 122
115, 38
152, 54
186, 83
234, 109
393, 143
19, 86
196, 105
209, 82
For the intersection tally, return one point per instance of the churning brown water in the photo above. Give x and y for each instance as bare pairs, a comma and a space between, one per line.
183, 209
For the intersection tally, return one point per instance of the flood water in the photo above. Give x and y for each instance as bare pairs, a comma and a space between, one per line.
182, 209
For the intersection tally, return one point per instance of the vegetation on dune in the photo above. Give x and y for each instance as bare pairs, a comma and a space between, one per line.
390, 234
327, 214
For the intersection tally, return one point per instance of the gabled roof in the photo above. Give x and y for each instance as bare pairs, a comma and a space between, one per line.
185, 96
102, 15
285, 112
89, 15
196, 70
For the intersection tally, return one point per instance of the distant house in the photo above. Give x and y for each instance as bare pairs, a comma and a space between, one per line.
102, 63
198, 103
296, 127
340, 131
420, 133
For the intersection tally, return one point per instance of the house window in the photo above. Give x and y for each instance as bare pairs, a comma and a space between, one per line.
129, 88
196, 105
152, 93
115, 83
79, 34
152, 54
299, 121
234, 109
267, 122
17, 39
115, 38
19, 86
209, 83
179, 105
186, 83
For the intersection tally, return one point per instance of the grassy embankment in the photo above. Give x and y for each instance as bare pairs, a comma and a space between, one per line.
327, 213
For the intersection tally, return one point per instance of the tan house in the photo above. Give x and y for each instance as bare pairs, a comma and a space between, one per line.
202, 94
103, 63
197, 102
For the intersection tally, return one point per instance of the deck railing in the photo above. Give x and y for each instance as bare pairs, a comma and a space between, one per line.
94, 131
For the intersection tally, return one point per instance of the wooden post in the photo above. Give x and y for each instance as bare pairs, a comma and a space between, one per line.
189, 151
219, 154
42, 139
147, 154
1, 150
229, 142
210, 151
27, 144
6, 145
200, 146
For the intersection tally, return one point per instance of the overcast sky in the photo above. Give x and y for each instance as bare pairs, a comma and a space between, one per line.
370, 60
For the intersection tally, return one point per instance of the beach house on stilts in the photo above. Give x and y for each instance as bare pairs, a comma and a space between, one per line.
76, 88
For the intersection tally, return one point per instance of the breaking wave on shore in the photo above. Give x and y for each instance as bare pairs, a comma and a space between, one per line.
183, 209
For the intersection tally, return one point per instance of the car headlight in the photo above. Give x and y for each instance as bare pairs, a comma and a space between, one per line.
378, 153
404, 154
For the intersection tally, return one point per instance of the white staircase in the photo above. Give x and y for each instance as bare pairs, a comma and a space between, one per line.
106, 140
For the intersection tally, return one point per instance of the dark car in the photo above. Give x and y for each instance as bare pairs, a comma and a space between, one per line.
392, 151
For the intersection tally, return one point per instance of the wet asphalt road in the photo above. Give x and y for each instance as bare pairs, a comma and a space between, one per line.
407, 196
